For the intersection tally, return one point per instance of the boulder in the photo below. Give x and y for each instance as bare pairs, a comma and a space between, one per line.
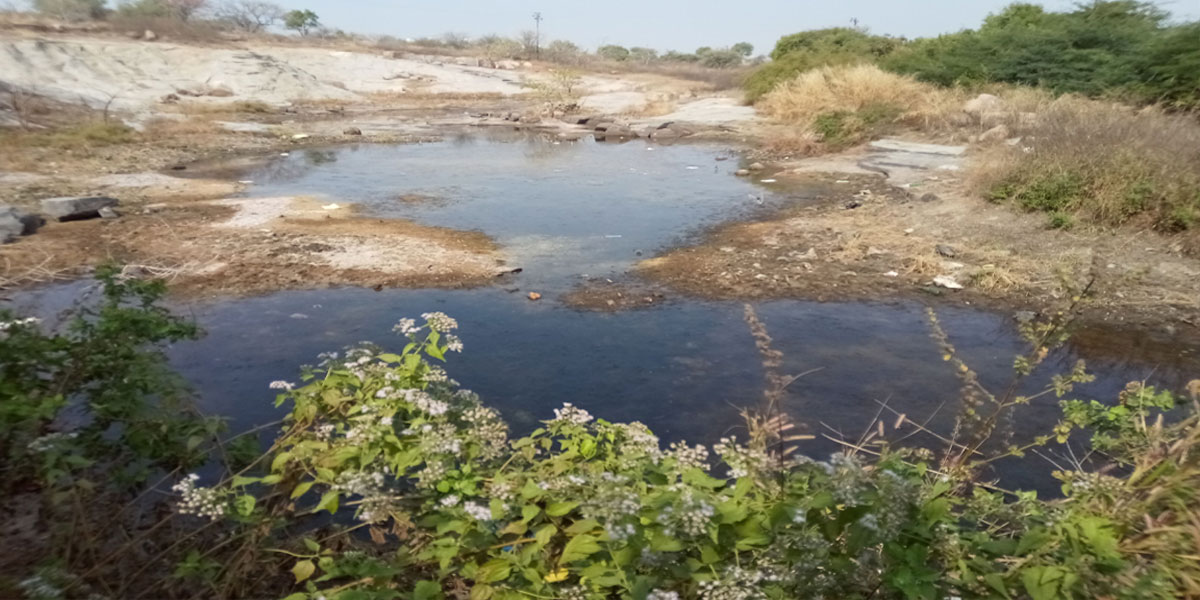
984, 104
14, 223
149, 36
108, 213
756, 166
742, 172
219, 90
76, 208
665, 134
998, 133
619, 131
486, 63
352, 131
602, 126
508, 65
530, 119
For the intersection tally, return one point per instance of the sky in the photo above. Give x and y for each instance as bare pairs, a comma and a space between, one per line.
665, 24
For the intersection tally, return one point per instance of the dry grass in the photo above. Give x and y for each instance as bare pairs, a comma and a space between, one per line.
185, 127
859, 89
1107, 163
238, 107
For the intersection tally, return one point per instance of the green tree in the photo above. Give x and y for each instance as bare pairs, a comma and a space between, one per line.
836, 41
301, 20
743, 48
71, 10
721, 59
613, 52
643, 55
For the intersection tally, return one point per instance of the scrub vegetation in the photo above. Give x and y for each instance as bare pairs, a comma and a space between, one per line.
1098, 105
384, 479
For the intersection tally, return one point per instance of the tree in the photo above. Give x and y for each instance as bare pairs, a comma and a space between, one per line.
721, 59
70, 10
456, 40
301, 21
613, 52
743, 48
562, 51
643, 55
250, 15
164, 9
529, 42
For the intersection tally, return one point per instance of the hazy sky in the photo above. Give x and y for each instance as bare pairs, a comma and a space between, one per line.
664, 24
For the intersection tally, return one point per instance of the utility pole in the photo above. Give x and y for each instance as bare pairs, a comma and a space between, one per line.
537, 36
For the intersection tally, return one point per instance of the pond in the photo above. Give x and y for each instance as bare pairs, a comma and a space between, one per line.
564, 212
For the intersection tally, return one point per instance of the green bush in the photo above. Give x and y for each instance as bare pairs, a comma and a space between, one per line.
385, 480
808, 50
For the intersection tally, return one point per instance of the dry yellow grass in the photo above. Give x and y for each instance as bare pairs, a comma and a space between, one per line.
856, 88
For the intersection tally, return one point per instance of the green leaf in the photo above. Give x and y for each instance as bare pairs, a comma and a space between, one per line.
427, 590
663, 543
280, 461
392, 358
583, 526
312, 545
529, 512
329, 502
244, 505
240, 481
699, 478
559, 509
296, 596
301, 489
303, 570
579, 548
494, 570
544, 534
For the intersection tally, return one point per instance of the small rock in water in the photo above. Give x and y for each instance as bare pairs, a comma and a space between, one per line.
535, 296
299, 316
742, 172
1024, 316
756, 166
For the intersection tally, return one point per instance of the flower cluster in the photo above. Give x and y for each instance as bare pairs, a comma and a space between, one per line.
662, 595
6, 325
369, 485
439, 322
689, 457
200, 501
282, 385
50, 441
741, 460
477, 511
406, 327
425, 402
691, 516
569, 413
736, 583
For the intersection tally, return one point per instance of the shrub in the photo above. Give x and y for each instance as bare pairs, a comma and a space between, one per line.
845, 104
808, 50
613, 52
1105, 163
71, 10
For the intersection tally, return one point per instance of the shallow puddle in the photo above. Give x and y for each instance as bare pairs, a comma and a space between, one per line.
685, 368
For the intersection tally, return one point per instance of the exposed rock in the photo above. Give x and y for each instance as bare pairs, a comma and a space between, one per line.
756, 166
619, 131
76, 208
929, 197
947, 251
665, 134
947, 282
742, 172
219, 90
352, 131
170, 99
508, 65
602, 126
531, 119
996, 134
14, 223
149, 36
983, 104
107, 212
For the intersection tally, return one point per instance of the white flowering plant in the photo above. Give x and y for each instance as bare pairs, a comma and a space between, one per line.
386, 480
585, 508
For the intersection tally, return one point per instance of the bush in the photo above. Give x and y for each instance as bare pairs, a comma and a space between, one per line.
808, 50
385, 480
1104, 163
71, 10
1101, 48
613, 52
846, 104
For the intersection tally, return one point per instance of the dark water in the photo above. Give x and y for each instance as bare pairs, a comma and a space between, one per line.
684, 368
